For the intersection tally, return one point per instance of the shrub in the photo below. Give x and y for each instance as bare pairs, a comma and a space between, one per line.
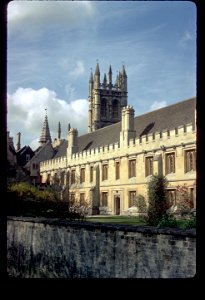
167, 221
25, 191
191, 223
158, 203
141, 204
185, 203
27, 200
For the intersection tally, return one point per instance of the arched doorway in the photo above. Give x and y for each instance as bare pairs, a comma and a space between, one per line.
117, 205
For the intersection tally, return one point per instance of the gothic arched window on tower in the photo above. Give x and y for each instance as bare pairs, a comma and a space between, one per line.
115, 107
104, 108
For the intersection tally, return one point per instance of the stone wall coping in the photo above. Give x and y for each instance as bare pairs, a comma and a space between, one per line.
107, 227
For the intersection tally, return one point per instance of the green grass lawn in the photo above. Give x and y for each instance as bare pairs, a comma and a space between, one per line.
117, 220
126, 220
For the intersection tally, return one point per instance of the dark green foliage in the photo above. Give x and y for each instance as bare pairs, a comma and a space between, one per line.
167, 221
141, 204
27, 191
27, 200
157, 199
191, 223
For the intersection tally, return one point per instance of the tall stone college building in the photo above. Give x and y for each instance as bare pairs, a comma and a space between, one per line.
111, 165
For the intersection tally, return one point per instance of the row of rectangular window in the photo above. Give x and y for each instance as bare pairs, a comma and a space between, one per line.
73, 199
190, 165
132, 197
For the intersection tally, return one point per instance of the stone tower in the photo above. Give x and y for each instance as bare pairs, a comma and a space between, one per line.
106, 100
45, 133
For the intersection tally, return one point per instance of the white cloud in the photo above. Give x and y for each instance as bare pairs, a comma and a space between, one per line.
185, 39
158, 104
33, 17
26, 113
78, 70
70, 91
79, 107
74, 69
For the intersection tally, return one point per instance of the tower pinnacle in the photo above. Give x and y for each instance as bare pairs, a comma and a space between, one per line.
110, 75
45, 133
97, 69
91, 75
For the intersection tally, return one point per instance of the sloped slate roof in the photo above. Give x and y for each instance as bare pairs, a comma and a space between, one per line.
22, 150
12, 149
61, 151
166, 118
44, 152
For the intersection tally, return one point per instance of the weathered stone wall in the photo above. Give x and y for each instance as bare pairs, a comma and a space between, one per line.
177, 142
49, 248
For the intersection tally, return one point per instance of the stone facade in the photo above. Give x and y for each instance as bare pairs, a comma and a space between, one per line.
39, 248
113, 164
127, 150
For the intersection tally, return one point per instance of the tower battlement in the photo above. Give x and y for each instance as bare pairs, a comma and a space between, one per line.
160, 141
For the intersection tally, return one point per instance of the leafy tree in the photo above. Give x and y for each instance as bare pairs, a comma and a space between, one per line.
185, 202
158, 203
64, 191
27, 200
141, 203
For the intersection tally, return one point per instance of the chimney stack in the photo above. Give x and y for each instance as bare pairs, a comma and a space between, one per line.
18, 143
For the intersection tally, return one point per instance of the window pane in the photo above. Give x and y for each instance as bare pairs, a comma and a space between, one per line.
82, 199
170, 163
82, 175
190, 160
115, 109
132, 198
103, 108
171, 197
73, 176
104, 198
117, 170
148, 166
104, 172
132, 168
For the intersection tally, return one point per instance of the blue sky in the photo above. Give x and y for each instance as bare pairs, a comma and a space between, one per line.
52, 46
